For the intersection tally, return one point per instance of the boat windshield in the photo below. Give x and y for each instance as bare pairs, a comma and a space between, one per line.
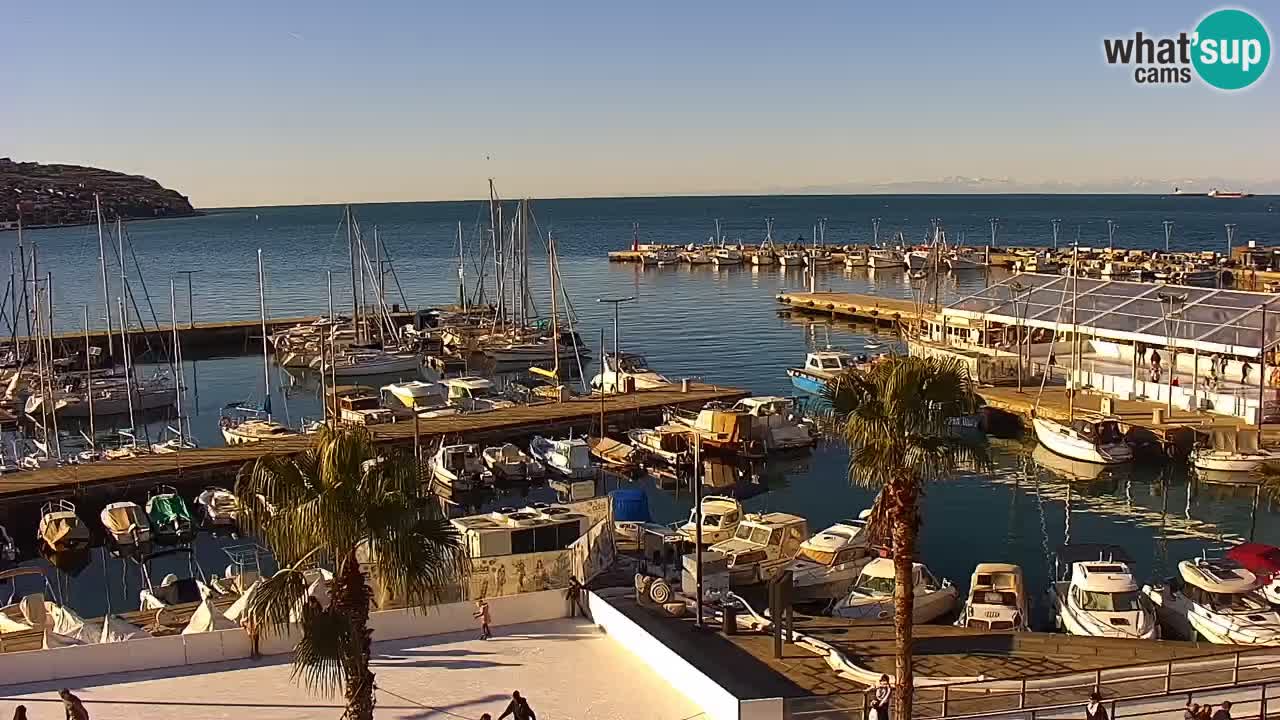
830, 363
874, 585
1127, 601
821, 557
711, 520
1235, 602
753, 533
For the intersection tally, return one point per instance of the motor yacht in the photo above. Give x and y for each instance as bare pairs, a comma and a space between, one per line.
670, 444
568, 457
509, 462
1098, 441
457, 467
720, 517
871, 597
997, 599
830, 562
1218, 601
1096, 594
762, 546
625, 372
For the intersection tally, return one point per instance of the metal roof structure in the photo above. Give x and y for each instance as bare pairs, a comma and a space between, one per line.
1213, 321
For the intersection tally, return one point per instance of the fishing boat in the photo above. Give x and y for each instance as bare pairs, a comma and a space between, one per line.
1097, 441
60, 527
219, 508
997, 599
820, 368
624, 372
416, 393
720, 517
457, 467
570, 457
762, 256
791, 258
696, 256
918, 259
127, 525
724, 256
614, 453
1218, 601
885, 258
1233, 450
169, 515
776, 424
963, 259
855, 257
670, 444
509, 462
830, 562
762, 546
871, 597
662, 257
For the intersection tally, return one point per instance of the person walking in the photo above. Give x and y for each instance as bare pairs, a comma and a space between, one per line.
73, 705
1094, 710
881, 700
1245, 369
482, 614
20, 713
518, 708
1223, 712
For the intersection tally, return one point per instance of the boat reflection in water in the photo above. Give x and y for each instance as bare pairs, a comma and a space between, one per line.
1076, 471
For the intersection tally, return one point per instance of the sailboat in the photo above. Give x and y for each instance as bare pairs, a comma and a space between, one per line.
256, 424
765, 254
1097, 441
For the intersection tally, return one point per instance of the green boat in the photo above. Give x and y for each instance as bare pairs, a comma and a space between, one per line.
170, 517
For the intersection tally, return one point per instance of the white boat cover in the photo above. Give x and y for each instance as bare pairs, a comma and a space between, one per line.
206, 618
241, 604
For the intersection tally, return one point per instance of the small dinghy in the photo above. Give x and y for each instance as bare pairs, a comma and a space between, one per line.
219, 509
128, 527
613, 453
60, 527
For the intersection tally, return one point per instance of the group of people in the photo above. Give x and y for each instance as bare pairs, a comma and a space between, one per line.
1196, 711
72, 704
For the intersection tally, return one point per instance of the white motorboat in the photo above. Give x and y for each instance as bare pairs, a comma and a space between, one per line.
997, 599
726, 256
871, 597
1096, 594
821, 367
457, 467
60, 527
792, 258
776, 423
474, 394
569, 458
373, 362
855, 258
663, 257
1233, 450
762, 546
1097, 441
1218, 601
219, 508
253, 430
508, 461
885, 258
127, 525
917, 259
762, 256
627, 371
416, 393
670, 444
720, 517
830, 562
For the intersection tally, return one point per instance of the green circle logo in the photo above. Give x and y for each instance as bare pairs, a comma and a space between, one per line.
1231, 50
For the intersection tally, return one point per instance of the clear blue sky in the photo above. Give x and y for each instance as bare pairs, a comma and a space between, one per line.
239, 103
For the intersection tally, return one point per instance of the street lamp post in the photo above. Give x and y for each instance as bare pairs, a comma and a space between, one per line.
1016, 290
616, 344
1171, 300
191, 308
1168, 233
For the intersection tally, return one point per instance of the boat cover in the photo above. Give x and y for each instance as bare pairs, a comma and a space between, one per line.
1258, 558
630, 505
206, 618
221, 502
60, 527
122, 518
167, 510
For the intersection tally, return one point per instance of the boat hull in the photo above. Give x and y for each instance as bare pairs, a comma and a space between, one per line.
1230, 462
1059, 439
807, 382
382, 367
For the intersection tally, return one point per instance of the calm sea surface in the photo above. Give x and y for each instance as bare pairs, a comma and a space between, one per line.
721, 325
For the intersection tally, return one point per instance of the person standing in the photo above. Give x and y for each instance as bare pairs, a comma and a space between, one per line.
881, 699
73, 705
1094, 710
1223, 712
482, 614
1245, 369
1191, 712
20, 713
518, 708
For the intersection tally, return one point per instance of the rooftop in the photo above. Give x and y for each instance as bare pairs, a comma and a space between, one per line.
445, 677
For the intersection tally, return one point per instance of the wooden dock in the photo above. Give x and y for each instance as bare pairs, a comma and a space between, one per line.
870, 309
219, 464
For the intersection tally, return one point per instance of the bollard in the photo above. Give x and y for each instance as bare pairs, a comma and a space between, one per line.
684, 385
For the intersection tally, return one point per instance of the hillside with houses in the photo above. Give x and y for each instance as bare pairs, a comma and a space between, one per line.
44, 195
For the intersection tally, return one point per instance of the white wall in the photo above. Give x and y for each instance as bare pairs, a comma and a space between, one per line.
194, 649
715, 701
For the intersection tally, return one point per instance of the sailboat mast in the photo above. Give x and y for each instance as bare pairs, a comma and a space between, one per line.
57, 442
124, 350
266, 358
555, 312
88, 380
177, 361
102, 262
1075, 332
377, 286
462, 280
351, 250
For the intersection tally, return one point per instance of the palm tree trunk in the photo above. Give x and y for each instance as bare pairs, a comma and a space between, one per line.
351, 597
903, 504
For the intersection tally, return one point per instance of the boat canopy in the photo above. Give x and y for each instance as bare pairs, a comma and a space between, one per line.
1220, 576
1188, 318
1256, 557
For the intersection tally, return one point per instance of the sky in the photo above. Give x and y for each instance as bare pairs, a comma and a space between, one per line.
261, 103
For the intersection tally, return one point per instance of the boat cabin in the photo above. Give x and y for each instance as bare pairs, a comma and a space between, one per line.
469, 388
760, 538
359, 405
1223, 586
632, 363
460, 459
841, 543
1105, 431
878, 578
511, 531
997, 598
765, 406
829, 362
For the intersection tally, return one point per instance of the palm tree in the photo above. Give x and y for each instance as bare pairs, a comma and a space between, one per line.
895, 417
343, 503
1268, 476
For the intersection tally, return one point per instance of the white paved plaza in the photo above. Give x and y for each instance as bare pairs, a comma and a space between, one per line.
568, 670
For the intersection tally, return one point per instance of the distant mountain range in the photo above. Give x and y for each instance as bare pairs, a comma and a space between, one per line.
997, 185
63, 195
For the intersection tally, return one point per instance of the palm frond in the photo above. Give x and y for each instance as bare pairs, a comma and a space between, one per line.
327, 639
274, 599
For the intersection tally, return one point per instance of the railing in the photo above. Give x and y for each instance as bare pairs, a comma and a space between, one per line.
1249, 678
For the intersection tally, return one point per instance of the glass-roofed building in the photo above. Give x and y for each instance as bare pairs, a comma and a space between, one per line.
1136, 338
